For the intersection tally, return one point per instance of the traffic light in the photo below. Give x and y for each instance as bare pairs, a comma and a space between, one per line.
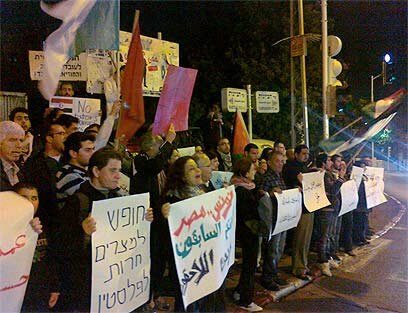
388, 69
334, 67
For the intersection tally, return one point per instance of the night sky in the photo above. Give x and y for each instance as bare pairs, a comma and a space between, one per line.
368, 29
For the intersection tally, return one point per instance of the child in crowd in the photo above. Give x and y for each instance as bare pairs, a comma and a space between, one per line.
41, 294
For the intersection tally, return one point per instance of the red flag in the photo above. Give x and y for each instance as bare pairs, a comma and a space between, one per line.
175, 99
241, 136
132, 115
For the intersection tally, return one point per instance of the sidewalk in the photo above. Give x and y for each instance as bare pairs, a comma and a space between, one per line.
382, 218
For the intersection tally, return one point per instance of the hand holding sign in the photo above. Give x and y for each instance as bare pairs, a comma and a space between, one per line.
89, 225
171, 134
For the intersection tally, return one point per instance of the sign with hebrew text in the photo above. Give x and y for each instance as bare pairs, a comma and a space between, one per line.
120, 254
314, 194
202, 231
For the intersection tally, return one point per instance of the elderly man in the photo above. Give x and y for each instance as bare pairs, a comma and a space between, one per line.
273, 182
11, 138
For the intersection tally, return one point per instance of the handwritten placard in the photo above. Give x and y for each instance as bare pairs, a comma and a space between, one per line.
120, 254
203, 237
349, 196
374, 186
314, 195
289, 210
188, 151
17, 245
357, 175
219, 178
87, 110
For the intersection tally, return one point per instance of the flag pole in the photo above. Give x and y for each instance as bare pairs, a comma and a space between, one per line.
356, 154
135, 21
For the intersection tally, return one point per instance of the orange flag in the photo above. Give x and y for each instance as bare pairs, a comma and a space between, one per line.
241, 136
132, 115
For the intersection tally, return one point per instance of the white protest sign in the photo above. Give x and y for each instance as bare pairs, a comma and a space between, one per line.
357, 175
202, 232
289, 210
87, 110
120, 254
189, 151
374, 186
349, 197
314, 194
158, 55
100, 67
17, 245
218, 178
74, 70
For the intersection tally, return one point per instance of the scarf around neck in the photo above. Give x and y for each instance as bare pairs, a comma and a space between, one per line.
243, 182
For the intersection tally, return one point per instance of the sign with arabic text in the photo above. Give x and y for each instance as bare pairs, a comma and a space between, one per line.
314, 194
202, 231
357, 175
17, 245
120, 254
374, 186
349, 196
289, 210
218, 178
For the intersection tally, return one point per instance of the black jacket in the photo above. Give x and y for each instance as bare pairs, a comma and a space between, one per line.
4, 180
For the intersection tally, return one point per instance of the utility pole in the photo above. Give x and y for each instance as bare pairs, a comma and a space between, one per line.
248, 88
325, 70
303, 76
292, 85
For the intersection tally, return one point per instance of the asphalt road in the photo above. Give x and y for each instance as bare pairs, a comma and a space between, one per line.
374, 281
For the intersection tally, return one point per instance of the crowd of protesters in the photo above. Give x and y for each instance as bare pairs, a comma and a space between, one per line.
61, 171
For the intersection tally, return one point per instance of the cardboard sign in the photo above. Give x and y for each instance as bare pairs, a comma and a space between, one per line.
314, 194
120, 254
202, 232
17, 246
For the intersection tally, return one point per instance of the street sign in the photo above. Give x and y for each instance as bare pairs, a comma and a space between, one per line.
267, 102
298, 46
233, 99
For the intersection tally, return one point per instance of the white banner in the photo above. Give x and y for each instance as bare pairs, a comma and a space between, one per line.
349, 196
120, 254
158, 54
73, 70
218, 178
357, 175
17, 245
202, 232
314, 194
374, 186
289, 210
87, 110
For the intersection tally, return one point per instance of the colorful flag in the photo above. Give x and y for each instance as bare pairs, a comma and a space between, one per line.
132, 115
241, 136
369, 130
175, 99
94, 23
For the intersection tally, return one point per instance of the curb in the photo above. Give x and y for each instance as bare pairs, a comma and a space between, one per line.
296, 283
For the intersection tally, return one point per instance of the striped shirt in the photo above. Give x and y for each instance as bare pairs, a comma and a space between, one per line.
69, 178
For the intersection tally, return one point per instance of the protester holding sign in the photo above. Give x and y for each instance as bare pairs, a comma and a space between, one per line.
184, 181
326, 216
273, 182
247, 231
303, 232
75, 225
